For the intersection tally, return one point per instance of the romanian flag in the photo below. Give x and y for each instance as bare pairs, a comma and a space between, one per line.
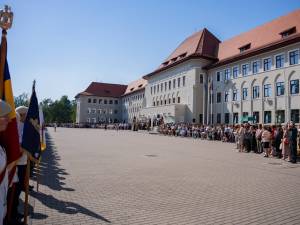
31, 132
9, 138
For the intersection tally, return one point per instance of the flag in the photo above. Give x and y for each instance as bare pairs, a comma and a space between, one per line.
31, 131
42, 129
9, 138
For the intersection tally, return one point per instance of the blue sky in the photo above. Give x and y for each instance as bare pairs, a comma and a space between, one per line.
66, 44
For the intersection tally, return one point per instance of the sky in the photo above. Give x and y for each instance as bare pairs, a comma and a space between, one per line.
67, 44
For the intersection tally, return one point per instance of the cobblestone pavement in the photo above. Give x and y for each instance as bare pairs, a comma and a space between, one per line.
120, 177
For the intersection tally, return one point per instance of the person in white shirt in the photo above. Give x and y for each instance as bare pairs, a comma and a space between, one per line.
5, 109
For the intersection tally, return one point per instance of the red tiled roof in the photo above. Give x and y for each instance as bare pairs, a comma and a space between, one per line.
260, 36
104, 90
134, 86
202, 44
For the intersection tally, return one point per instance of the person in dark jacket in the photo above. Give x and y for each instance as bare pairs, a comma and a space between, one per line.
277, 141
292, 136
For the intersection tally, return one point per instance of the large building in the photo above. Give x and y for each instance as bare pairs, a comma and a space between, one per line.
251, 77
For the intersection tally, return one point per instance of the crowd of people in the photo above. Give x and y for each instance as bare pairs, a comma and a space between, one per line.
277, 141
10, 192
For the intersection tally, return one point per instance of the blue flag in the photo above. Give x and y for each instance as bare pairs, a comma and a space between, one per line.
31, 131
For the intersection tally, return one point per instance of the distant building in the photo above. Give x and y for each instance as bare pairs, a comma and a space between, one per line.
253, 76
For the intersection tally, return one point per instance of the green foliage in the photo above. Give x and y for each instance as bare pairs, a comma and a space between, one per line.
21, 100
59, 111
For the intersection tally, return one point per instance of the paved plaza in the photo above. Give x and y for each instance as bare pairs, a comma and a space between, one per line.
92, 176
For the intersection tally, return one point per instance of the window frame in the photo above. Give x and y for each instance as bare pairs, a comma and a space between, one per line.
296, 49
263, 62
275, 60
290, 84
276, 85
248, 73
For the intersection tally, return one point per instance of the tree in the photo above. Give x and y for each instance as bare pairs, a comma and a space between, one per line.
22, 100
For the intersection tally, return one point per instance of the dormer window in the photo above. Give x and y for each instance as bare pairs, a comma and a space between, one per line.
174, 59
245, 47
288, 32
182, 55
131, 89
166, 63
140, 86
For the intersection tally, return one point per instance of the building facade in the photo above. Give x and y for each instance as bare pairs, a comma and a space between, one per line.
252, 77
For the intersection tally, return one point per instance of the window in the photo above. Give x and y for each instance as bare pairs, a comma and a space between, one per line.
280, 116
89, 100
219, 97
226, 118
174, 100
161, 87
279, 61
165, 101
161, 102
116, 102
105, 101
294, 86
218, 76
110, 102
88, 120
166, 85
235, 72
183, 81
267, 64
170, 84
174, 83
100, 101
157, 103
154, 89
245, 47
153, 104
235, 118
279, 88
94, 111
294, 57
169, 101
245, 116
219, 118
89, 110
245, 69
288, 32
200, 118
267, 117
116, 111
295, 115
158, 88
227, 74
234, 95
245, 93
201, 79
267, 90
255, 92
256, 117
94, 100
178, 99
255, 67
226, 96
178, 82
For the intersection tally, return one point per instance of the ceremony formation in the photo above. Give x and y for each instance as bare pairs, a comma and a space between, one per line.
149, 113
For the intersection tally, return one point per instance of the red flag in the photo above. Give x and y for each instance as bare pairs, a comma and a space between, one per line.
9, 138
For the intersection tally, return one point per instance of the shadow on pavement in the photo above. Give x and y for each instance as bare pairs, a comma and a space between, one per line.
51, 176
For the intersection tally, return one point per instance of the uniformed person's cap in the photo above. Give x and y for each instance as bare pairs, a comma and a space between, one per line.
22, 109
4, 108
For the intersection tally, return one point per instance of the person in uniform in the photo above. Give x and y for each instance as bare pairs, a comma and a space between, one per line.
5, 109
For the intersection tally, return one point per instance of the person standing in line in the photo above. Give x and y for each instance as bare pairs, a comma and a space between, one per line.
292, 136
266, 137
286, 153
241, 133
5, 109
258, 134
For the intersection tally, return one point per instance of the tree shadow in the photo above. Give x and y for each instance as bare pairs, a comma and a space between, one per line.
51, 175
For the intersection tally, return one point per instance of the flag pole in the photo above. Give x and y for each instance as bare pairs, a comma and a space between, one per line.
26, 191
